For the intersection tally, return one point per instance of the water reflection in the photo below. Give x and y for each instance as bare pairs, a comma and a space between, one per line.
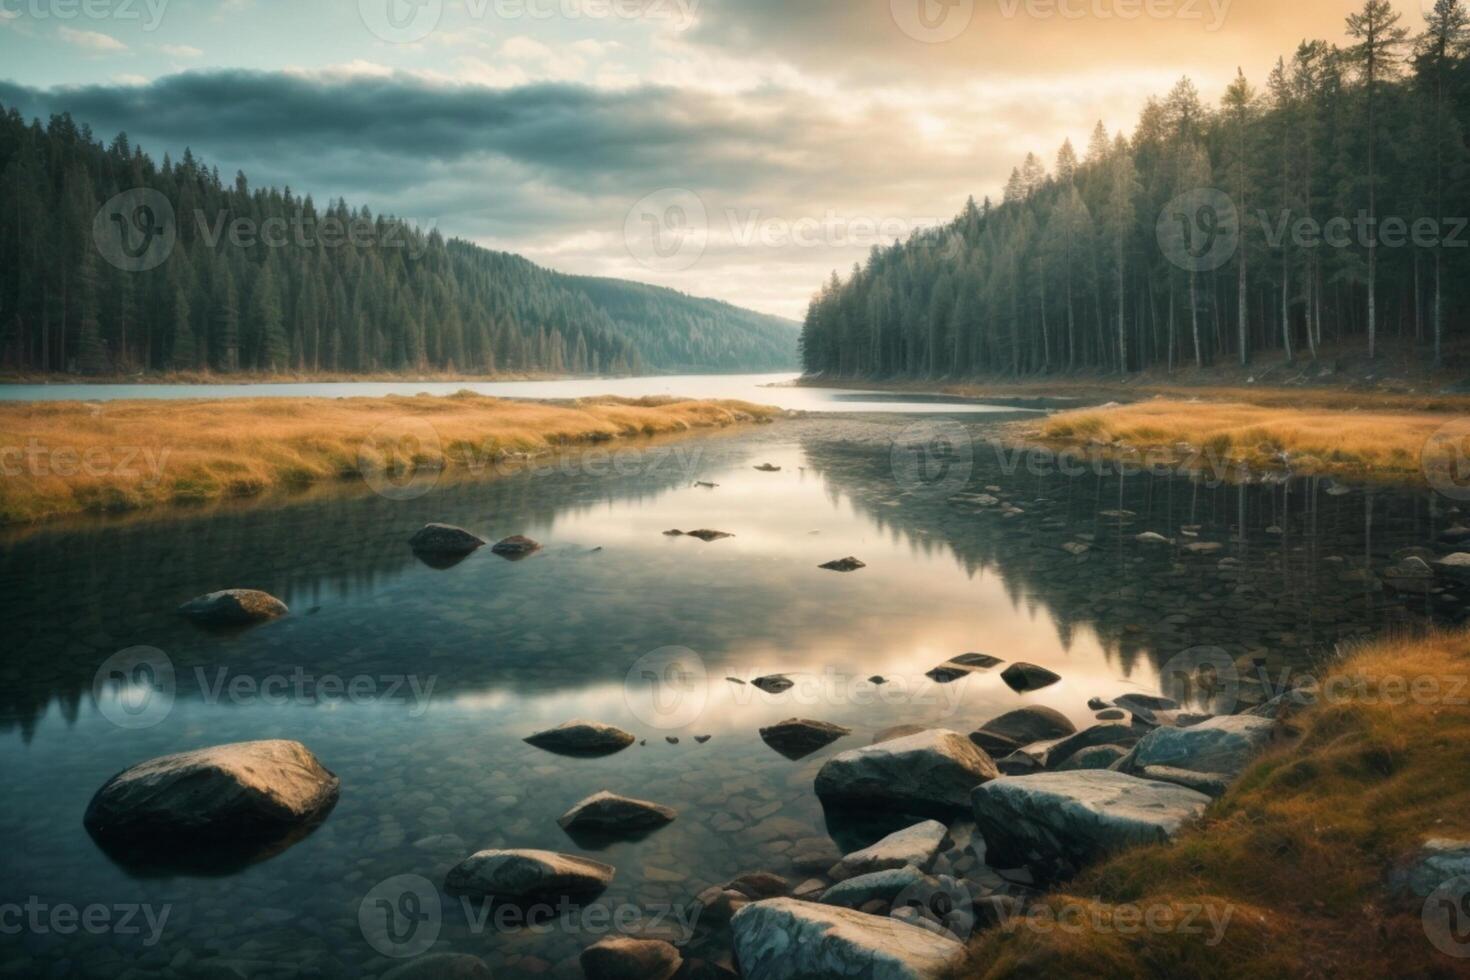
458, 665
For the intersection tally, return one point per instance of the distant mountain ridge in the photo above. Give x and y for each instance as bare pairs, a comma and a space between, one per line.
117, 264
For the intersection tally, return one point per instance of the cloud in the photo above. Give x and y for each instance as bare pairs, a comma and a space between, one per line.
92, 41
181, 50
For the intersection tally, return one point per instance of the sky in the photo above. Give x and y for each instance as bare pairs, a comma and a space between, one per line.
737, 149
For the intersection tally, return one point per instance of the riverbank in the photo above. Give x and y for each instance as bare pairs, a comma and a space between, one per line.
1353, 433
265, 377
66, 458
1305, 862
1231, 437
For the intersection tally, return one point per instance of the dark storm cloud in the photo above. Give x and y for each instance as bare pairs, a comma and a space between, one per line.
575, 135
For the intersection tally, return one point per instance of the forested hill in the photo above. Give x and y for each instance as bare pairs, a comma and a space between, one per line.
1328, 205
188, 272
690, 333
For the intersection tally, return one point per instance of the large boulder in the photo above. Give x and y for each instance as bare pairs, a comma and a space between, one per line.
622, 958
917, 846
1223, 745
785, 939
444, 539
251, 790
610, 814
528, 876
234, 607
797, 738
931, 773
582, 738
1055, 823
1022, 727
879, 886
1104, 733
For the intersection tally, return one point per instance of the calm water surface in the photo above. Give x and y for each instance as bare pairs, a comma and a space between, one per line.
457, 665
765, 389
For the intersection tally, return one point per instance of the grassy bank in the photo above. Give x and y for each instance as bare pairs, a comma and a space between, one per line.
1298, 854
1397, 445
64, 458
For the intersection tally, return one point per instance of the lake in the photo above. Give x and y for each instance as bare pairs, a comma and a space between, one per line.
416, 685
766, 389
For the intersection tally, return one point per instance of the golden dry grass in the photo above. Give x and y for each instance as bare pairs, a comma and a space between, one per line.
62, 458
1299, 851
1377, 444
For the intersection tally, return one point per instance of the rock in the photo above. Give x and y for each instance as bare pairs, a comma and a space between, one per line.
705, 485
1093, 757
703, 739
1221, 745
1105, 733
768, 468
441, 966
774, 684
1204, 548
1152, 537
756, 885
708, 536
234, 607
918, 846
1058, 822
1113, 714
783, 939
1437, 862
528, 876
877, 680
963, 666
445, 539
1076, 548
1025, 677
607, 813
843, 565
622, 958
896, 732
1412, 575
1212, 784
517, 547
584, 738
878, 886
1455, 566
249, 790
929, 773
797, 738
1024, 726
1096, 704
674, 533
1147, 708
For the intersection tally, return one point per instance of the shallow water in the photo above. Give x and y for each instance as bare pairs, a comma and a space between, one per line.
456, 666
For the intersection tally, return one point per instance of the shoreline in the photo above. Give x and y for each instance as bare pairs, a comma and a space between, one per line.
1392, 438
64, 460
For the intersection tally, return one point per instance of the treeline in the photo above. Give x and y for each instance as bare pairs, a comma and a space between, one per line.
1328, 206
261, 280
